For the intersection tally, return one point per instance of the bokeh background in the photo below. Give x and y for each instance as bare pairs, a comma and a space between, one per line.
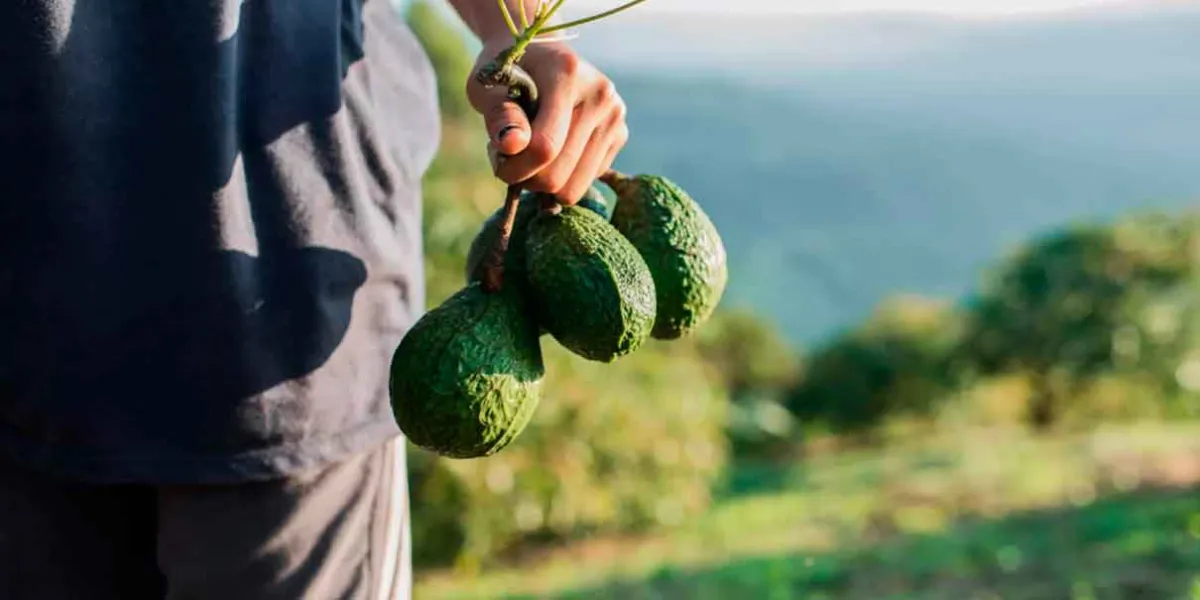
959, 355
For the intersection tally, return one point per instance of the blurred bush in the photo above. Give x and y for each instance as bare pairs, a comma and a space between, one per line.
1088, 323
895, 364
758, 367
1108, 305
613, 448
444, 42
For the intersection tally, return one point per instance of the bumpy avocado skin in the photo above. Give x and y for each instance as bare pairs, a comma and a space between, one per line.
680, 245
591, 289
466, 379
514, 258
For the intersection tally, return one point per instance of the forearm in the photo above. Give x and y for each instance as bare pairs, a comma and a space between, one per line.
485, 20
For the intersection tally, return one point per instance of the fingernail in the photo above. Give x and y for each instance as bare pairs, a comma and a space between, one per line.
504, 132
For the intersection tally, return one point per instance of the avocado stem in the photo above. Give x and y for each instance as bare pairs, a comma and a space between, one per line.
503, 70
596, 17
493, 274
615, 180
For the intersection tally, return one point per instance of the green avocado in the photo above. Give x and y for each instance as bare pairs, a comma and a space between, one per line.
514, 259
466, 379
680, 245
590, 288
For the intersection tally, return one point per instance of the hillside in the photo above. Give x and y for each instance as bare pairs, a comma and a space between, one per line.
846, 158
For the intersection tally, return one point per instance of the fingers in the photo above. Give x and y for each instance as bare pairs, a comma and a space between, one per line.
611, 158
602, 149
597, 130
578, 131
582, 140
558, 99
507, 125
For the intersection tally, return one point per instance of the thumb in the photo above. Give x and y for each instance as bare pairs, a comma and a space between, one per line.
507, 125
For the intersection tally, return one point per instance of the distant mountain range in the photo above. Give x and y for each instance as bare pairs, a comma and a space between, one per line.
849, 157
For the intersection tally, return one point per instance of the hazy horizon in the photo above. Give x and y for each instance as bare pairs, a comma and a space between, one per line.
879, 153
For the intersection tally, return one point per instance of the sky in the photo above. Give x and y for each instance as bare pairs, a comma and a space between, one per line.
963, 7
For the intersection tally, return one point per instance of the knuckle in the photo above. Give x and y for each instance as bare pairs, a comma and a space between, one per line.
606, 93
558, 181
569, 64
619, 114
555, 180
571, 194
621, 137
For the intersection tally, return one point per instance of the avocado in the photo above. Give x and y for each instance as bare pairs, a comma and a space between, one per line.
680, 245
466, 379
514, 259
591, 289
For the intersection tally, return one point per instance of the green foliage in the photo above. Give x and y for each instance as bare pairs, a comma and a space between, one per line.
1126, 546
609, 451
894, 364
945, 516
452, 61
758, 367
1102, 321
1087, 301
749, 352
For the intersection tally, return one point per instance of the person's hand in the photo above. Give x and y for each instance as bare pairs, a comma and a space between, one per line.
579, 129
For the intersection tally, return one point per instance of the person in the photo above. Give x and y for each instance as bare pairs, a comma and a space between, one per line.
210, 216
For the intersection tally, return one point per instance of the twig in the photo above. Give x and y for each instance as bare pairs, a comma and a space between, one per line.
595, 17
508, 20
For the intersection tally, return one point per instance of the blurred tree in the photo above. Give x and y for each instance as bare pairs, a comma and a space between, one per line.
758, 367
1085, 301
895, 363
622, 447
749, 352
447, 48
458, 187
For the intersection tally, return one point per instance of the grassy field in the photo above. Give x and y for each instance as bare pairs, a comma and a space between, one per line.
978, 515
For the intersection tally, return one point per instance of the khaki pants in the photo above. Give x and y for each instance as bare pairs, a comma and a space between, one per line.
340, 533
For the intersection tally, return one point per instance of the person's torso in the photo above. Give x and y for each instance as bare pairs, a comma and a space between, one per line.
210, 231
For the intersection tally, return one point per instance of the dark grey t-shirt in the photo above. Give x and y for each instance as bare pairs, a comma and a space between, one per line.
209, 231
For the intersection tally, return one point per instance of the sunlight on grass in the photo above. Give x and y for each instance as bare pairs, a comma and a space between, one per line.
842, 503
